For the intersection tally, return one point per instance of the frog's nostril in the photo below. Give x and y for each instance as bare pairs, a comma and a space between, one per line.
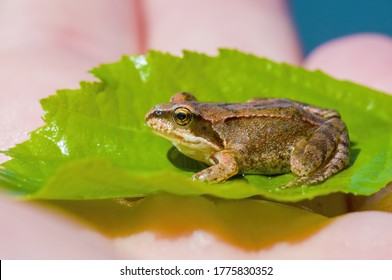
158, 113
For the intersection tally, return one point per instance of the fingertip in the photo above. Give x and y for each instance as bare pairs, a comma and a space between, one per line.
361, 58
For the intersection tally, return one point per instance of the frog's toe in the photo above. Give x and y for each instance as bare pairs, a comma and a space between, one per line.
293, 184
201, 176
307, 180
207, 176
304, 181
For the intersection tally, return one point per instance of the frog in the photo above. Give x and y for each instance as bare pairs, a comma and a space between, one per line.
265, 136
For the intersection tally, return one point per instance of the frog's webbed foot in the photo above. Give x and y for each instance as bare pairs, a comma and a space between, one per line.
225, 167
317, 159
305, 181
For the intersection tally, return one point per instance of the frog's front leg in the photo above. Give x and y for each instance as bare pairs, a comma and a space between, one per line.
324, 154
225, 167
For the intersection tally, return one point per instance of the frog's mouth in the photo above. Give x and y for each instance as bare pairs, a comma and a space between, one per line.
181, 136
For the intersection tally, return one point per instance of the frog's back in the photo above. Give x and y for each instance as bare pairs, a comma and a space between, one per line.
262, 134
279, 108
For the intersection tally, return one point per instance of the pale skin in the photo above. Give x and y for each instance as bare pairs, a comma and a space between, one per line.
42, 50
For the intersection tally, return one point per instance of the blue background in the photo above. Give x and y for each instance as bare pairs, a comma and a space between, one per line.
319, 21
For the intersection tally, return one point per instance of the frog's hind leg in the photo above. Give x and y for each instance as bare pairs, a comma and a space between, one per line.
336, 162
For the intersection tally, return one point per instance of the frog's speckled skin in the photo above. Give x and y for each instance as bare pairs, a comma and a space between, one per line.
263, 136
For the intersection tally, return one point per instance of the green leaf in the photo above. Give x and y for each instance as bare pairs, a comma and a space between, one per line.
95, 144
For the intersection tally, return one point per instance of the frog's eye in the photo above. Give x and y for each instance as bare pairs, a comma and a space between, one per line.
182, 116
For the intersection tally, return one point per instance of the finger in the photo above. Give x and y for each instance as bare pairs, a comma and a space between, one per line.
260, 27
43, 49
346, 237
31, 231
92, 29
362, 235
363, 58
46, 45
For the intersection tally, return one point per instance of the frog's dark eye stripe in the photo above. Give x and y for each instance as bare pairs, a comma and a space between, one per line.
182, 116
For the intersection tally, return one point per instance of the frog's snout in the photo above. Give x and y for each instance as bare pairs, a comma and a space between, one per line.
153, 114
149, 116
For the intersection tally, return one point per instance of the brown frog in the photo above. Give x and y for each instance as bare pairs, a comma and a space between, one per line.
263, 136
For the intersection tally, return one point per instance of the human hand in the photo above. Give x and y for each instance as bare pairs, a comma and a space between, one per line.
46, 49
